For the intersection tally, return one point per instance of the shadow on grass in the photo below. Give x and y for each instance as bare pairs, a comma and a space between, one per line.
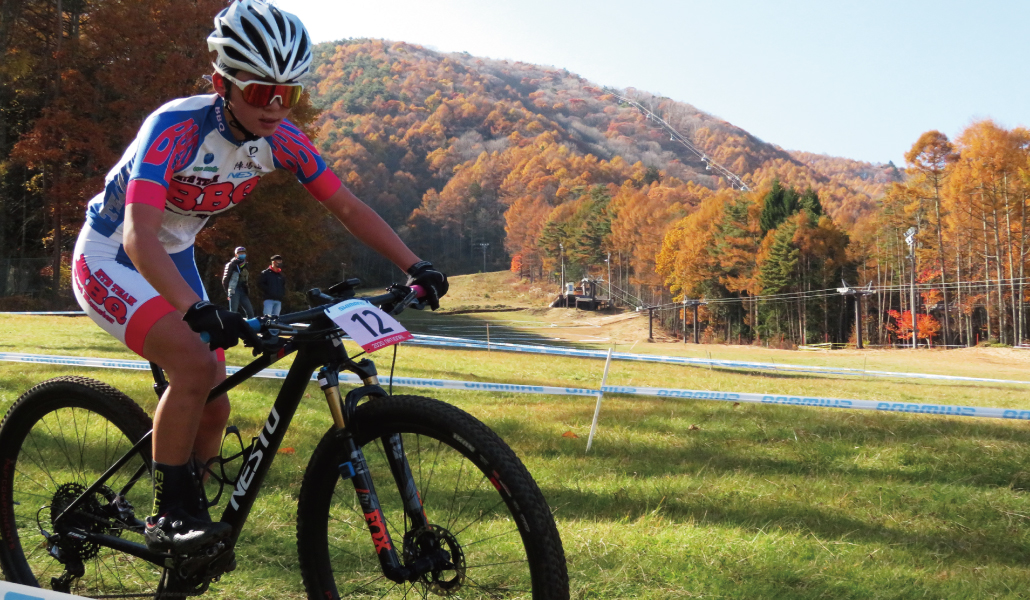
929, 470
824, 522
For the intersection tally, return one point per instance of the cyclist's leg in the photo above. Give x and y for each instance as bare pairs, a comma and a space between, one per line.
121, 301
212, 422
192, 371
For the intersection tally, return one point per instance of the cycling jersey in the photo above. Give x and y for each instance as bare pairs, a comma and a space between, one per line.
186, 162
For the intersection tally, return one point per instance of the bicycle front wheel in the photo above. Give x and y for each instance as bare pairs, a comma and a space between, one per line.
55, 441
481, 504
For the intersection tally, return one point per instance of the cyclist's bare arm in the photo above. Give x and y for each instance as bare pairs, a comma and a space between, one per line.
142, 223
369, 227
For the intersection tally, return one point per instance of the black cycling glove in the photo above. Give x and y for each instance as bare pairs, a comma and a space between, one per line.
224, 328
434, 282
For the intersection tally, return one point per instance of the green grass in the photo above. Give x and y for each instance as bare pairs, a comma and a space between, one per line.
690, 499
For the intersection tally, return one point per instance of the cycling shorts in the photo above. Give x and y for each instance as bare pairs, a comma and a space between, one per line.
114, 294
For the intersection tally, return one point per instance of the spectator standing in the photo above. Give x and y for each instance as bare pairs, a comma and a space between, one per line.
236, 280
273, 286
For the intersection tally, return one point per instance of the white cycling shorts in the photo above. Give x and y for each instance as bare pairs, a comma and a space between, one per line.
114, 294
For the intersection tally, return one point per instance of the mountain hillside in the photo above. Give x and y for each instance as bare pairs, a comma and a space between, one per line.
469, 156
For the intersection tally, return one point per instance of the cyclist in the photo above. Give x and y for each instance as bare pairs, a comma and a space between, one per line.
133, 266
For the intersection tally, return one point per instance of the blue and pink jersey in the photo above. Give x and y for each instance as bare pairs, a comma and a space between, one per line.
186, 162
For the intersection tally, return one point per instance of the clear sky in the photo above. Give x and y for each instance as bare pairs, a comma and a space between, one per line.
858, 79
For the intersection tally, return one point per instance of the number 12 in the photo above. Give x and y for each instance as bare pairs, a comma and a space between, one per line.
382, 329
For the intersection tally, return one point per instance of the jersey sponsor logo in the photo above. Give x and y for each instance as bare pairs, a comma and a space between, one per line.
293, 149
114, 198
208, 158
252, 150
240, 175
197, 179
239, 166
219, 118
172, 147
104, 296
206, 169
208, 198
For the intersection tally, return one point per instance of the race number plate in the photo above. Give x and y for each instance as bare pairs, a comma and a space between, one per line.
370, 327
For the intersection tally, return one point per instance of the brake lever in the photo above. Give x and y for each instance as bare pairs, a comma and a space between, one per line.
411, 299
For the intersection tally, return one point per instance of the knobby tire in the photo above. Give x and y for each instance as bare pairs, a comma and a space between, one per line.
472, 486
55, 440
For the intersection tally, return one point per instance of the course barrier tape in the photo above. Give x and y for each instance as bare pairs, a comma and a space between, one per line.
15, 591
452, 342
433, 340
908, 407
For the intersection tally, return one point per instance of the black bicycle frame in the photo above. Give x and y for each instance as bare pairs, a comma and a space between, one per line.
329, 355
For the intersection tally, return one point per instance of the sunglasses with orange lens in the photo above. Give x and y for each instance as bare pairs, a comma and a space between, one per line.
262, 93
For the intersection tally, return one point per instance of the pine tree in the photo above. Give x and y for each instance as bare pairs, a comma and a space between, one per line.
780, 203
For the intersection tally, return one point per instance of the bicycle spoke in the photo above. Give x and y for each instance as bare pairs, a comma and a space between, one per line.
490, 590
24, 476
39, 454
432, 471
490, 538
461, 509
450, 508
480, 518
64, 443
506, 562
67, 445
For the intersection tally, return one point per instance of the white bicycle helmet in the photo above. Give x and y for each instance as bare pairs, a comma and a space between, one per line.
261, 39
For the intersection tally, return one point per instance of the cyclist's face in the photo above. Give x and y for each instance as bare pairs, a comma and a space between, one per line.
261, 121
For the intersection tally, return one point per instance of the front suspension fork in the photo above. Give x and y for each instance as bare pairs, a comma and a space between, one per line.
356, 469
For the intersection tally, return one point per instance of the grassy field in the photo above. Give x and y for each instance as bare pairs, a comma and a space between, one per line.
681, 498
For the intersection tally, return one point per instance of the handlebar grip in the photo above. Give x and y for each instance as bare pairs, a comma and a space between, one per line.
420, 292
255, 324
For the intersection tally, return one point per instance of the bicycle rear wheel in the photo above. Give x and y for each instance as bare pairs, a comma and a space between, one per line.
56, 440
481, 502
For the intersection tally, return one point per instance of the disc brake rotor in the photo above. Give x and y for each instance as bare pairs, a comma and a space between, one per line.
440, 582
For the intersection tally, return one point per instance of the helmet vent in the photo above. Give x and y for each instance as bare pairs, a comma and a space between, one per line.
255, 36
235, 55
280, 22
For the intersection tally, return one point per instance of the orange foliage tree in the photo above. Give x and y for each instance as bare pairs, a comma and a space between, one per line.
82, 59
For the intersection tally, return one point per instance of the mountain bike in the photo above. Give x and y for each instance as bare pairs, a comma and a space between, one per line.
449, 509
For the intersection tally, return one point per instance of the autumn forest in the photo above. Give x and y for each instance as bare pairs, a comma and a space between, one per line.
492, 164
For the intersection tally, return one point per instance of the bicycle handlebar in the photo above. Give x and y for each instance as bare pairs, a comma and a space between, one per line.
304, 315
